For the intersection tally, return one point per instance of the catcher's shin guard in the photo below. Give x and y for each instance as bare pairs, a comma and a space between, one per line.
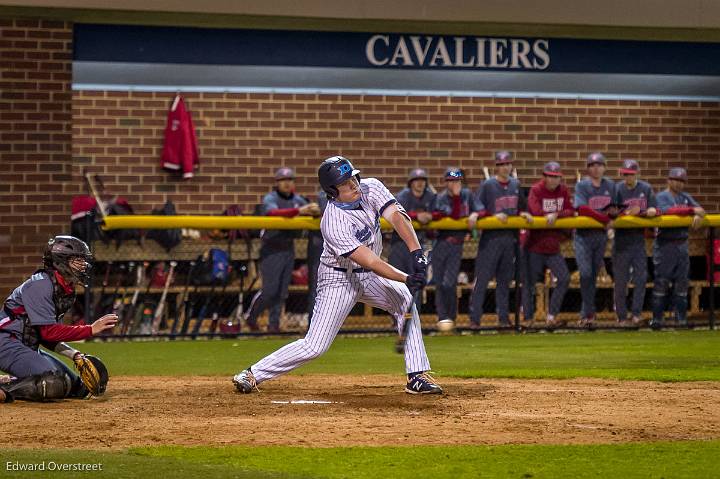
40, 387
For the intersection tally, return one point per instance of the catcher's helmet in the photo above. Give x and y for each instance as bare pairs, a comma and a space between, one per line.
334, 171
60, 250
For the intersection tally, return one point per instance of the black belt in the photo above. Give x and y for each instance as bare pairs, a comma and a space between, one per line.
347, 270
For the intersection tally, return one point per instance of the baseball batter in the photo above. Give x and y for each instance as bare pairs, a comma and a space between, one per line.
32, 317
350, 271
637, 199
500, 197
671, 255
593, 197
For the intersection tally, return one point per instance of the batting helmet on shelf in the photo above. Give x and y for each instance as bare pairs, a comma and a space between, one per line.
60, 250
333, 171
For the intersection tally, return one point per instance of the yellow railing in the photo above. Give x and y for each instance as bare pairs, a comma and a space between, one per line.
310, 223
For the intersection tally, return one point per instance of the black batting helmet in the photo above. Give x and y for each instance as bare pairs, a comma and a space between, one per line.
453, 173
417, 174
334, 171
60, 250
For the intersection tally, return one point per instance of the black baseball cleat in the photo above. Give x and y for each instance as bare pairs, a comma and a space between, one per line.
422, 383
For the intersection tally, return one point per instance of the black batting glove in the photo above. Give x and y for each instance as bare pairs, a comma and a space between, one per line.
415, 282
420, 262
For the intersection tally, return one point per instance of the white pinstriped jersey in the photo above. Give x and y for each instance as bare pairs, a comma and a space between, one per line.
346, 230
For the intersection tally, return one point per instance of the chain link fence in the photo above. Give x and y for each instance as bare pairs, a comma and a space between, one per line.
205, 285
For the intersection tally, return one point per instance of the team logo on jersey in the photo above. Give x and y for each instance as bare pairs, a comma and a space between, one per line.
552, 205
506, 203
599, 202
364, 234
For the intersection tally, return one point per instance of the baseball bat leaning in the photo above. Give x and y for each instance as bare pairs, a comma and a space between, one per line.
486, 172
94, 193
402, 340
163, 297
181, 306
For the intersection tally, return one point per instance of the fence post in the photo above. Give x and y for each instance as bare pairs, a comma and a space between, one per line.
711, 279
88, 290
518, 262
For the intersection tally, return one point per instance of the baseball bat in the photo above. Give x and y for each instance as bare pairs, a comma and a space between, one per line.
126, 289
115, 305
514, 173
130, 311
182, 303
578, 176
402, 340
98, 303
216, 310
137, 317
486, 172
203, 309
161, 305
189, 306
94, 193
237, 314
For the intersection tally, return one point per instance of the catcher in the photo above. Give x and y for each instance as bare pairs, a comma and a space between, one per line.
32, 317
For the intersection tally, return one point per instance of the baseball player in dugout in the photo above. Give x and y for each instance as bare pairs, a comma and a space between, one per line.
277, 253
456, 202
418, 200
31, 325
351, 270
314, 251
594, 197
498, 196
636, 198
671, 256
550, 198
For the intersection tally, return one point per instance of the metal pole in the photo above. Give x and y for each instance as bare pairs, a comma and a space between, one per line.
711, 269
518, 262
89, 225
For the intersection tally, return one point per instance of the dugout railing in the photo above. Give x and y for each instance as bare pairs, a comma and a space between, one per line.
189, 308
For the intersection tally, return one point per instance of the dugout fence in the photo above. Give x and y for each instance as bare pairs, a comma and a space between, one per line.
178, 292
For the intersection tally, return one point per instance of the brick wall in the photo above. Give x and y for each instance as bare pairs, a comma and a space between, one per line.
49, 134
35, 141
245, 137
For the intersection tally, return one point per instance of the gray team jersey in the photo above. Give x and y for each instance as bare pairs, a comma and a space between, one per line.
281, 239
666, 200
35, 298
596, 198
411, 202
641, 196
444, 204
346, 230
494, 197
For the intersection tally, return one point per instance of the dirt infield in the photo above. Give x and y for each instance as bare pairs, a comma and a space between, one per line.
370, 410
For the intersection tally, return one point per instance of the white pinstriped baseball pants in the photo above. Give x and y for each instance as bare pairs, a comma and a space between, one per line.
338, 292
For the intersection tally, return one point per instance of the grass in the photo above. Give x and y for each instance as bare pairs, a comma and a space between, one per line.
685, 459
665, 356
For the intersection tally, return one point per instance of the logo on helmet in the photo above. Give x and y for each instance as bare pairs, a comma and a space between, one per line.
344, 169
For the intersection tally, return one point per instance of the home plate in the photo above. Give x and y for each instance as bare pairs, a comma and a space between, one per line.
304, 401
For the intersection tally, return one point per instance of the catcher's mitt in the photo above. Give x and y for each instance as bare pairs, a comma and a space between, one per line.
93, 373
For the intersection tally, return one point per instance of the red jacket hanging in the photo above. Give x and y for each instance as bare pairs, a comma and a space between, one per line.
180, 147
